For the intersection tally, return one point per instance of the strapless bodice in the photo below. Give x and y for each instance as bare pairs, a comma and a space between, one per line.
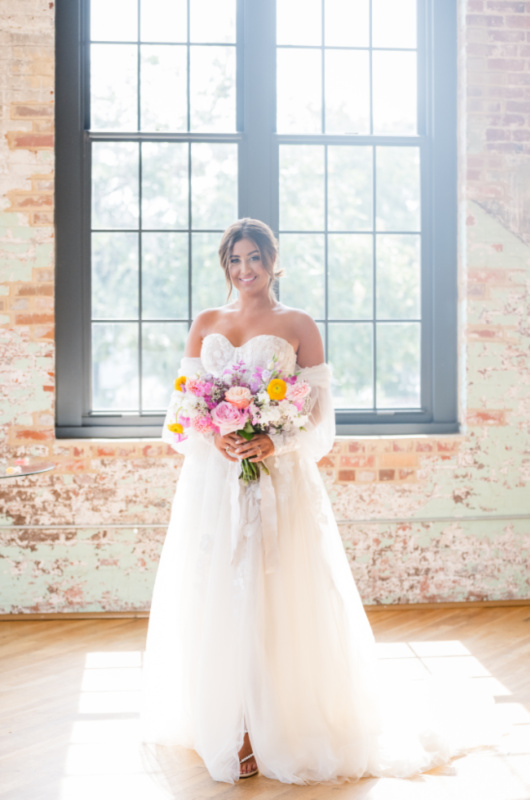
218, 352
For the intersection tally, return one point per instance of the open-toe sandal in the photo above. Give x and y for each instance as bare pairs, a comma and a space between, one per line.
247, 774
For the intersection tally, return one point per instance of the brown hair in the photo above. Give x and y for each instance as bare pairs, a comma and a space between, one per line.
261, 234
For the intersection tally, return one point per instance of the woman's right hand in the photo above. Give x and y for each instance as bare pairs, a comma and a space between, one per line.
227, 445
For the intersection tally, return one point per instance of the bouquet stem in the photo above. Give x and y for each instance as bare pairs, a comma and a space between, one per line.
250, 470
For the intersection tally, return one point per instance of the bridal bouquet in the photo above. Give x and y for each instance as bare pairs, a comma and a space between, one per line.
246, 400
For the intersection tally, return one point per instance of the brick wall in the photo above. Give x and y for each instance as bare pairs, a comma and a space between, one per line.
498, 110
422, 518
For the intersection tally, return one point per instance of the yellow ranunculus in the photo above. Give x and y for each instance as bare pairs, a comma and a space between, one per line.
179, 382
277, 389
175, 427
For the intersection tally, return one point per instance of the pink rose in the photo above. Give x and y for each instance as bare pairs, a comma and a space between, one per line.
239, 396
228, 418
297, 393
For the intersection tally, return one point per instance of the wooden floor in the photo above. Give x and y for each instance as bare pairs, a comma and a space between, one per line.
69, 695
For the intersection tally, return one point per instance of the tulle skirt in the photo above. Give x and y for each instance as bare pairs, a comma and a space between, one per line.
283, 651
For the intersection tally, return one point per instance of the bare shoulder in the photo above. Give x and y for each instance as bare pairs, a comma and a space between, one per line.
203, 322
310, 348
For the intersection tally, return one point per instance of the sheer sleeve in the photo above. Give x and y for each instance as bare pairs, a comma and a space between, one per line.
188, 366
319, 431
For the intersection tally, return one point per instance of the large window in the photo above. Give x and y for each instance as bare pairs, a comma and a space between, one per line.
332, 120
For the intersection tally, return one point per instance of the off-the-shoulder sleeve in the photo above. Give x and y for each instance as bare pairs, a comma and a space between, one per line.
317, 438
188, 366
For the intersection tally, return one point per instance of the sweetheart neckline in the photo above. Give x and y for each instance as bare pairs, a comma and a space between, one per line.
259, 336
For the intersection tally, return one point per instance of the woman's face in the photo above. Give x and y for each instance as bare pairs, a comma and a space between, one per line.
247, 271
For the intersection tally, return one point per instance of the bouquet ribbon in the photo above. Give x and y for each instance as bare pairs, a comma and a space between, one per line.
253, 507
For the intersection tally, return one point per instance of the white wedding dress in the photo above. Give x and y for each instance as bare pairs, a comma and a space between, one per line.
256, 623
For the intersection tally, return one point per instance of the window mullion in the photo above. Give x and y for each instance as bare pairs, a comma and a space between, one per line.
258, 179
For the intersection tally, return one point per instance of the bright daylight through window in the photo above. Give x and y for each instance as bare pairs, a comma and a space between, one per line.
182, 103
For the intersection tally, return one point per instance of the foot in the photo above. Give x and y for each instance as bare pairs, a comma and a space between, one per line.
250, 765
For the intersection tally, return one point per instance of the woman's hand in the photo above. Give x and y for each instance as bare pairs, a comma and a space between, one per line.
234, 447
227, 445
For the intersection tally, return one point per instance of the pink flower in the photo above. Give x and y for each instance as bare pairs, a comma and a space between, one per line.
203, 388
297, 393
192, 385
201, 424
228, 418
239, 396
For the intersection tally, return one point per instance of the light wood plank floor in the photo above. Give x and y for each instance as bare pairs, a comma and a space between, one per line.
69, 697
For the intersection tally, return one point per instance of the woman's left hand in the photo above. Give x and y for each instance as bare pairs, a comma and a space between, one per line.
256, 449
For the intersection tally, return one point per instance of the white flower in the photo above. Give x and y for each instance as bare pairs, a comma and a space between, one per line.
193, 406
263, 398
289, 410
271, 415
301, 420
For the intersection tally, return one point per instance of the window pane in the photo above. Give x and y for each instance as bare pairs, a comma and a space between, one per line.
398, 276
299, 22
213, 88
208, 282
350, 355
299, 93
114, 275
398, 188
398, 365
394, 92
350, 200
303, 258
164, 185
394, 23
165, 275
212, 21
113, 87
113, 21
115, 185
164, 87
301, 187
213, 185
347, 23
163, 20
347, 91
350, 289
114, 366
162, 348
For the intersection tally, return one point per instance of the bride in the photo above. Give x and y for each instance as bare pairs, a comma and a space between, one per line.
259, 654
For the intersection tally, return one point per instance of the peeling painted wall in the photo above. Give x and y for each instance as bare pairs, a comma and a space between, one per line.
423, 519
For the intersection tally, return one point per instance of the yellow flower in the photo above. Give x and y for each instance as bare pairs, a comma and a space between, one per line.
277, 389
179, 382
175, 427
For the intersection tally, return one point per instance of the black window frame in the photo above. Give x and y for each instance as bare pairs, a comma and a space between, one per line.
437, 138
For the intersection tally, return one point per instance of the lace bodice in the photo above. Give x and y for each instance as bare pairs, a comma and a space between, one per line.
218, 352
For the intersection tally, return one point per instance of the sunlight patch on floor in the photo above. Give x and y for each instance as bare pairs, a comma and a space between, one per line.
105, 758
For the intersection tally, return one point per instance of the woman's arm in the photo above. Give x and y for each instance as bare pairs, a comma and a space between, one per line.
310, 350
197, 332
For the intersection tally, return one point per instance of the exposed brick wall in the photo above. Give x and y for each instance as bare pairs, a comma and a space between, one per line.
498, 109
479, 480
